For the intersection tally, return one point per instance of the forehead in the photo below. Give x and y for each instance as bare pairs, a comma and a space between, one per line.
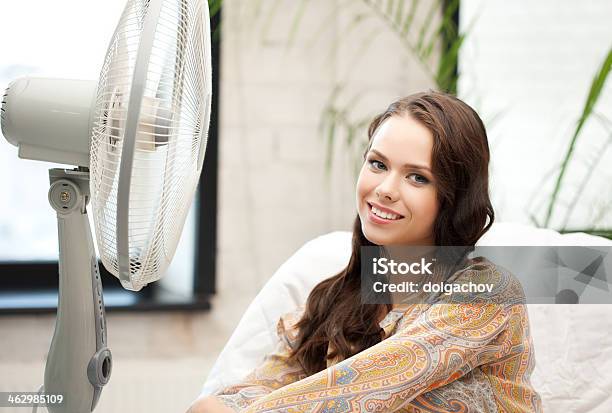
403, 140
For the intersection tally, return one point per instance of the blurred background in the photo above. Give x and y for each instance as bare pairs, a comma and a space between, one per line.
297, 82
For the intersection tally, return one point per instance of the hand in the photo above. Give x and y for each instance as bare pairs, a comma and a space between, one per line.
209, 404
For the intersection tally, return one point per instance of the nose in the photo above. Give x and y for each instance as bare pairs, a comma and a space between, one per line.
387, 190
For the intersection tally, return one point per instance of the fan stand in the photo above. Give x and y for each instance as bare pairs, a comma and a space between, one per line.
79, 363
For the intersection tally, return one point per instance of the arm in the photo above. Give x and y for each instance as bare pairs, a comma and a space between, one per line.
442, 345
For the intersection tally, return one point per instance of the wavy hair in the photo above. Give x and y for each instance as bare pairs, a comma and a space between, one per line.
334, 316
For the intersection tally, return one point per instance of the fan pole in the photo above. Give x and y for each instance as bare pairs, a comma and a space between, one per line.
79, 363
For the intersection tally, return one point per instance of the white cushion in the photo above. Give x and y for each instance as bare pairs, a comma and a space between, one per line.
573, 344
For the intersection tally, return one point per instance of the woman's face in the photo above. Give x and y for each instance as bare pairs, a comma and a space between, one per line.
396, 190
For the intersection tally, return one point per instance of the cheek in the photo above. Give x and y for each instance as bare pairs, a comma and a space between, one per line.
422, 202
431, 202
365, 184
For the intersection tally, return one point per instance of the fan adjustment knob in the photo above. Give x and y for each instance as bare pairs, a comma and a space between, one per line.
64, 196
98, 372
99, 368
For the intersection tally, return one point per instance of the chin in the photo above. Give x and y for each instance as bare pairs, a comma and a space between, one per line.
382, 237
377, 238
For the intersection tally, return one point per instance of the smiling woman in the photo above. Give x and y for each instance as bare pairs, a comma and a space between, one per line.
424, 181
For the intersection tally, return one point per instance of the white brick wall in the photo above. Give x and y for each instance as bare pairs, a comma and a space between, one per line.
274, 194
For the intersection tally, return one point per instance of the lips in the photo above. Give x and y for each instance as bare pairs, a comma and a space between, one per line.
383, 209
387, 218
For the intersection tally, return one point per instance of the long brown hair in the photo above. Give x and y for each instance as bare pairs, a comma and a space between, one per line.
334, 315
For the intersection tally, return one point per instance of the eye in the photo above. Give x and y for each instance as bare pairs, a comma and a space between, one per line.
377, 164
420, 179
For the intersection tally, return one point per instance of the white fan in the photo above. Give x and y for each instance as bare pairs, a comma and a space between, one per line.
139, 134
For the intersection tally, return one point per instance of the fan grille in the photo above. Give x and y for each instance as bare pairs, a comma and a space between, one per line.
3, 110
170, 139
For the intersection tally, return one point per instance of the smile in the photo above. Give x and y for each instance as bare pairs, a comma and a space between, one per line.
377, 215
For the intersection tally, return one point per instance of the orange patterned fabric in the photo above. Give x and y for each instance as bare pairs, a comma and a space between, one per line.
447, 357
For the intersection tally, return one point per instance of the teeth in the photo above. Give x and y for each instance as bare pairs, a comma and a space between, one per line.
384, 215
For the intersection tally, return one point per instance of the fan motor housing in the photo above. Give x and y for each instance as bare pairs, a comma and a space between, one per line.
49, 119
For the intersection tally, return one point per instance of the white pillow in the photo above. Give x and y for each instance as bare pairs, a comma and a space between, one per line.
326, 255
507, 233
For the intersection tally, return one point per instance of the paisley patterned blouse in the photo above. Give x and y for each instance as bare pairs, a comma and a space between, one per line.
447, 357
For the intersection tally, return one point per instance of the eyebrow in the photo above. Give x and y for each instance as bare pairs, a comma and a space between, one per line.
407, 165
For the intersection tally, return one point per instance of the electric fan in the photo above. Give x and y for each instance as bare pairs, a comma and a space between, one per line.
139, 134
